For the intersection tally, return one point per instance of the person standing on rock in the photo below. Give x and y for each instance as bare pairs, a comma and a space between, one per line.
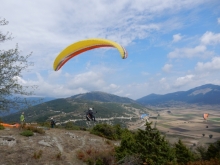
52, 123
22, 120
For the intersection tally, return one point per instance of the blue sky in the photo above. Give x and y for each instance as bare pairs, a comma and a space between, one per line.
172, 45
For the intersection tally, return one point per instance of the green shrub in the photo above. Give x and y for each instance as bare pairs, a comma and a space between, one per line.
45, 124
35, 129
108, 131
27, 133
71, 126
2, 127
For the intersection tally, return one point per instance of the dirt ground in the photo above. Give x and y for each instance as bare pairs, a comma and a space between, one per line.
55, 147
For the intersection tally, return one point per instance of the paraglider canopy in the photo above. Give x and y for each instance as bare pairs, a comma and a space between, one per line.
205, 116
83, 46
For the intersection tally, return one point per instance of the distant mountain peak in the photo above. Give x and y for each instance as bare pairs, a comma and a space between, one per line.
102, 97
201, 91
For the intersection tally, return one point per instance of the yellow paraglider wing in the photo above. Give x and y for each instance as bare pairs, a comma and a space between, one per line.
83, 46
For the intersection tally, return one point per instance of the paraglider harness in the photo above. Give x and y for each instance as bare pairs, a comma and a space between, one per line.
90, 115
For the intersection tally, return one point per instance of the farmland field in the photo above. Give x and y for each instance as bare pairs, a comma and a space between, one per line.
188, 125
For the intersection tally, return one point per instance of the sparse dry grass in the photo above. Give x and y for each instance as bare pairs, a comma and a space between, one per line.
92, 155
206, 162
38, 154
35, 129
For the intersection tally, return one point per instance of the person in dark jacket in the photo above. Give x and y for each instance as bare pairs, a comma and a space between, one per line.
52, 123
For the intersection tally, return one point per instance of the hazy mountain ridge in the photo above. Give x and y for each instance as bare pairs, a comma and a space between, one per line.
206, 94
32, 100
102, 97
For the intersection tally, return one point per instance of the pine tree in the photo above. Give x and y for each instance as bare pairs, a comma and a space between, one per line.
213, 151
148, 144
183, 154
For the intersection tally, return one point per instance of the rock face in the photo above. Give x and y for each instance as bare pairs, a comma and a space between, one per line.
7, 140
56, 146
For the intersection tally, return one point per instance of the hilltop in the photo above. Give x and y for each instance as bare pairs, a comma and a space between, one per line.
56, 146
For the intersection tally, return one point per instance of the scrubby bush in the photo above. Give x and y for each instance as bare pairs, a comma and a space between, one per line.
44, 124
27, 133
71, 126
35, 129
58, 155
108, 131
37, 155
2, 127
97, 156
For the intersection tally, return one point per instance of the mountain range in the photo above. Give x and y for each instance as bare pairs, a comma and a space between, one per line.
108, 105
208, 94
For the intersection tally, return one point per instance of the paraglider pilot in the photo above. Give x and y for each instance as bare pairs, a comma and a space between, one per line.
90, 115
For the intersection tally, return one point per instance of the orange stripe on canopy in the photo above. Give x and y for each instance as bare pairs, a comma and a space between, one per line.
77, 53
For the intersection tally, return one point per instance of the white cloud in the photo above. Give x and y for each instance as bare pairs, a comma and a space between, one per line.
167, 67
181, 81
218, 20
145, 73
90, 81
113, 86
162, 80
177, 37
210, 38
198, 51
209, 66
